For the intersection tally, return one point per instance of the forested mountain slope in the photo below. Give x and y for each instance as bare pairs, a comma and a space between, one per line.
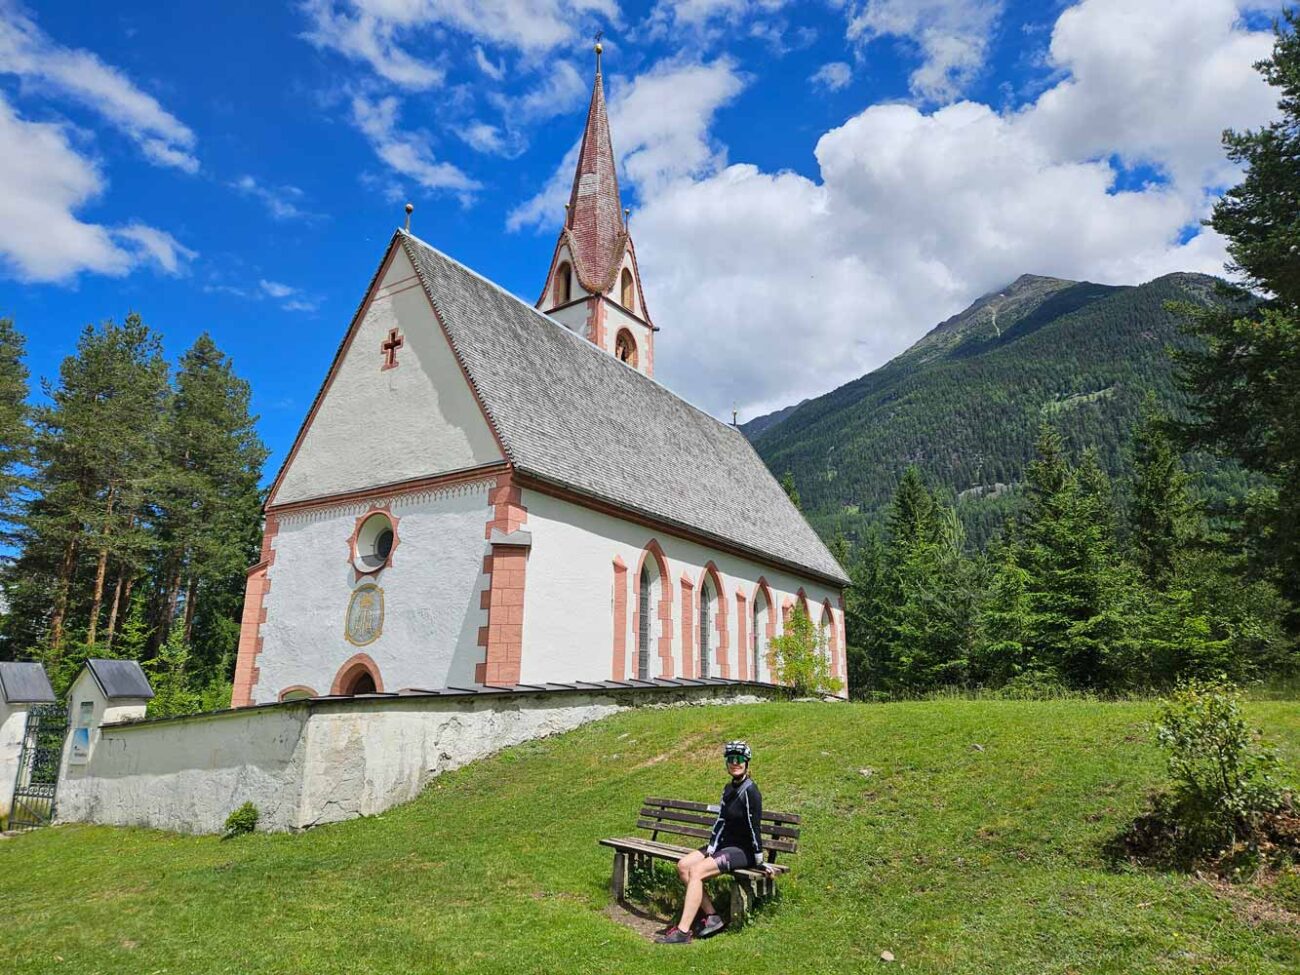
965, 402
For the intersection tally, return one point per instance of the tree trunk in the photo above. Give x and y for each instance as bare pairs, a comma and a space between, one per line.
101, 571
170, 597
189, 608
112, 612
66, 569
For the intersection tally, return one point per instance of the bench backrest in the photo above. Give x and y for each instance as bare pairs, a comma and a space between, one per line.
779, 832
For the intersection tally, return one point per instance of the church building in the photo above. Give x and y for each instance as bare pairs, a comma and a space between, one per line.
487, 492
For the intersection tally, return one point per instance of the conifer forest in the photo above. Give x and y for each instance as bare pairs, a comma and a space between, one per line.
131, 505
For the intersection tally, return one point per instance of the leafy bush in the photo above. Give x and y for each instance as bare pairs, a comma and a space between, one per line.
1225, 781
242, 820
802, 661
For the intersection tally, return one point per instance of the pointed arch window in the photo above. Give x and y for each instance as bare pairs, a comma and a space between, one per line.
645, 614
758, 635
625, 348
626, 292
707, 600
563, 290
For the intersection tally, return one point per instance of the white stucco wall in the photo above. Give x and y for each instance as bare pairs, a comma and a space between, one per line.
431, 591
308, 763
379, 426
13, 722
572, 563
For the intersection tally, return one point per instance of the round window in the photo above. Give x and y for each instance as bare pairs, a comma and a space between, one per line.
375, 541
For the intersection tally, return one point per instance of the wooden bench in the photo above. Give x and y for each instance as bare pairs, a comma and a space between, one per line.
779, 834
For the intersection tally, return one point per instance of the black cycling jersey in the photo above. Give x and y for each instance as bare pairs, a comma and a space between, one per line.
739, 819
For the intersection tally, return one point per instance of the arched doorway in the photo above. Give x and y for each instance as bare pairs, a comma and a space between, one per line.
359, 675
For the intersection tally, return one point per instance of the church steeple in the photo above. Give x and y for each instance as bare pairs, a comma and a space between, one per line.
593, 286
594, 215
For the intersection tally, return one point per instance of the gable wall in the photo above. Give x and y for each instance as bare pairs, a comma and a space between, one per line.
569, 602
377, 426
432, 593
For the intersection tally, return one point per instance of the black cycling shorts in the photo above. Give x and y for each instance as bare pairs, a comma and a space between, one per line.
730, 858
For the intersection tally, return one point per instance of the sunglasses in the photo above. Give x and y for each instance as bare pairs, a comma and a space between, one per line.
736, 760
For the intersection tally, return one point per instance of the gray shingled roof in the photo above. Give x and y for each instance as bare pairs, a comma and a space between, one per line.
571, 414
120, 679
24, 683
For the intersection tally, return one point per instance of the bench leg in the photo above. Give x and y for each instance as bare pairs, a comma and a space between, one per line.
742, 898
619, 883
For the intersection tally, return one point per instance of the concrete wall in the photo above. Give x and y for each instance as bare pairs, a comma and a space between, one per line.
572, 563
432, 610
307, 763
13, 722
378, 426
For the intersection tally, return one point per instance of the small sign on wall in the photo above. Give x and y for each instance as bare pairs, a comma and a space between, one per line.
79, 752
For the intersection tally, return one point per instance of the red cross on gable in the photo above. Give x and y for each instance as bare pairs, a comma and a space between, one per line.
389, 347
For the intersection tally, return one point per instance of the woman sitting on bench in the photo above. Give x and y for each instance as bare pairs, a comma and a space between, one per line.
734, 844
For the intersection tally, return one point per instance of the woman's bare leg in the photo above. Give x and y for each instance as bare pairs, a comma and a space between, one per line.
698, 872
684, 866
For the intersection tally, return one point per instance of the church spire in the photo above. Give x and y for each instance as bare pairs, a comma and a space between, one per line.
593, 286
595, 213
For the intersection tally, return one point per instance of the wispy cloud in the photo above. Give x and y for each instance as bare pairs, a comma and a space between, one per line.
953, 37
832, 76
407, 153
26, 51
281, 202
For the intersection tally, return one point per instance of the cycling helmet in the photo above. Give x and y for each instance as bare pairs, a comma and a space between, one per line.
738, 748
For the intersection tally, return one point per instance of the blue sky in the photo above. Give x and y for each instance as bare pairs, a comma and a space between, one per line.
813, 185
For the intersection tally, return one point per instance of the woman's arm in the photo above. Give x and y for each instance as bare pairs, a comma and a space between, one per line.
754, 807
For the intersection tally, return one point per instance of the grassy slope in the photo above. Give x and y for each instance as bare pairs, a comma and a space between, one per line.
956, 860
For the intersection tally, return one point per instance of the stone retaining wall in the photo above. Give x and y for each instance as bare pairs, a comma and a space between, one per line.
304, 763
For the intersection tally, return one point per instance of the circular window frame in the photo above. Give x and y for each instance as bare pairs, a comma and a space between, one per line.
363, 554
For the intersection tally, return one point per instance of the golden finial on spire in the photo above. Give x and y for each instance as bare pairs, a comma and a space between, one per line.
600, 49
410, 208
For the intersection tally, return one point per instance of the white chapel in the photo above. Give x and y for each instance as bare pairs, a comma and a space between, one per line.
530, 506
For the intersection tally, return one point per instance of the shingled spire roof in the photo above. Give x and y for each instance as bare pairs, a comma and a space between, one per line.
594, 223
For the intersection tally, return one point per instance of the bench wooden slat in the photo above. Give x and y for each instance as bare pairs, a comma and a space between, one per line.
704, 807
659, 826
669, 815
668, 851
698, 820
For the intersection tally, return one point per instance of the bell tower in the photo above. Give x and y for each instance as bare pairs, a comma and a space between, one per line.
594, 287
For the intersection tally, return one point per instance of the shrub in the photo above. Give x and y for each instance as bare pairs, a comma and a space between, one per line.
802, 661
1224, 779
242, 820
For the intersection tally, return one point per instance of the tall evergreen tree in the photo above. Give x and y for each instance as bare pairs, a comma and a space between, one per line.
96, 459
1162, 517
209, 504
1245, 369
15, 433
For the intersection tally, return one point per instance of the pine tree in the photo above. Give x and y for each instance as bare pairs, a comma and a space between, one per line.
15, 433
791, 491
1244, 369
96, 459
1162, 517
209, 503
1083, 605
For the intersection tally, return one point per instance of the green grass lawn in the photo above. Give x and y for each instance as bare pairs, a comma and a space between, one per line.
952, 858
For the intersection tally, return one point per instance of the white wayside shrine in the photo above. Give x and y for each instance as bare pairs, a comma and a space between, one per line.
488, 492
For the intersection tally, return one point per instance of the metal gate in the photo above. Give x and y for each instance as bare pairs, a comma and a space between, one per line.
38, 767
